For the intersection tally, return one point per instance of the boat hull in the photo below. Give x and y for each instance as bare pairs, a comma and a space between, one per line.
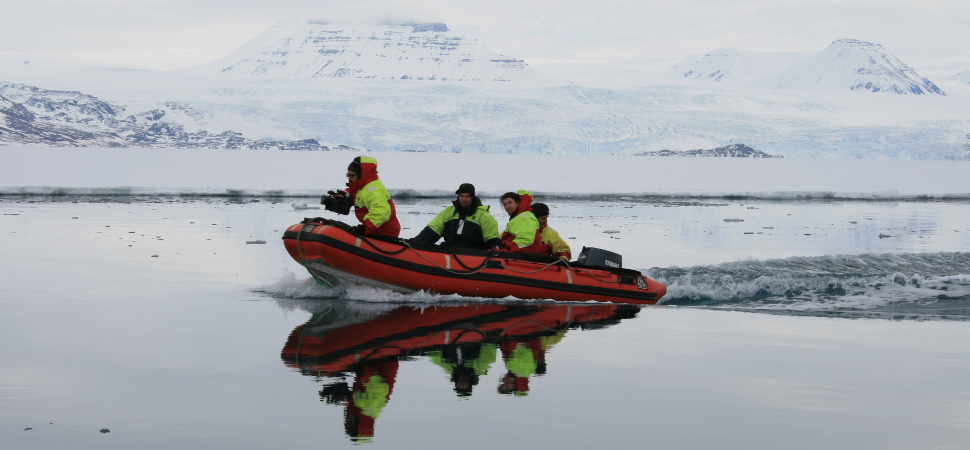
328, 248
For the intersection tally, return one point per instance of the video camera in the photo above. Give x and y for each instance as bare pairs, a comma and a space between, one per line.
339, 205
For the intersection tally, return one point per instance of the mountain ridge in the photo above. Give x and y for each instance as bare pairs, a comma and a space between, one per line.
724, 151
850, 64
845, 65
390, 51
733, 67
31, 115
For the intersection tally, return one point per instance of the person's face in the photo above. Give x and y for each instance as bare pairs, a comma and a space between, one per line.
510, 205
542, 220
464, 199
352, 176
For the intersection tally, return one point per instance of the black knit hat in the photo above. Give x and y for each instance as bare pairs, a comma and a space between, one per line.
355, 166
540, 209
466, 188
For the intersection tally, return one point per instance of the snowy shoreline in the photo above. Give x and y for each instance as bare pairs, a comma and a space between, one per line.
212, 172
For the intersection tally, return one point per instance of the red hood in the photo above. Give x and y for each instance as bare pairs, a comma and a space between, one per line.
368, 173
525, 202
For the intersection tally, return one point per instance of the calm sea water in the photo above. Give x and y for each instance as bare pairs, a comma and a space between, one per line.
152, 323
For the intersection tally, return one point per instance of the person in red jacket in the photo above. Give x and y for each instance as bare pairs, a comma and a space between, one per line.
373, 205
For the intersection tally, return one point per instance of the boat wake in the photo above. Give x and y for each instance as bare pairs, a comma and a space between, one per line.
916, 286
290, 288
913, 286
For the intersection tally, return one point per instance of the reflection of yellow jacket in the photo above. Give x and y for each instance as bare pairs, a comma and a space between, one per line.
559, 247
479, 365
374, 396
521, 362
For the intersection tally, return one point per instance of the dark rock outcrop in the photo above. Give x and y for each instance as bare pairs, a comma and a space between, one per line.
727, 151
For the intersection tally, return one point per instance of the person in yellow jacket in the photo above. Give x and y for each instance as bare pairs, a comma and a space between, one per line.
521, 235
373, 205
555, 245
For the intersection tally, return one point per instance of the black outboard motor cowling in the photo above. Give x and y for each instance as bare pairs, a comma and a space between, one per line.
592, 256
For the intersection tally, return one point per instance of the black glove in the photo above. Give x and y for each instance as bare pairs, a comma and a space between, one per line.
359, 229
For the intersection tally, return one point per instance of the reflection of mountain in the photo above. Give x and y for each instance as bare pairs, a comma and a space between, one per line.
341, 341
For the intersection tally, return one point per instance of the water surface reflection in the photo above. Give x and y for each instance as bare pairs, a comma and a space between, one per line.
356, 348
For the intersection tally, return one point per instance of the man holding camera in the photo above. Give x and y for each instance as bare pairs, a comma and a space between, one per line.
372, 203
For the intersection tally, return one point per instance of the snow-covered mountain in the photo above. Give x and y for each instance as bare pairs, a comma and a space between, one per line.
31, 115
115, 107
732, 67
849, 64
409, 51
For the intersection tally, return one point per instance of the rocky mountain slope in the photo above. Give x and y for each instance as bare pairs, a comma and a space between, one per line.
726, 151
31, 115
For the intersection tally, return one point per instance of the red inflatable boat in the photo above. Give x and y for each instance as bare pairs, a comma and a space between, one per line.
331, 251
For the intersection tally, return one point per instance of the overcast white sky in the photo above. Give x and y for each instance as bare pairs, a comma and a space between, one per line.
555, 36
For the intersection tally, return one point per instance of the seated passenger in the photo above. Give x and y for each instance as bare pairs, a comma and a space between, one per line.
466, 223
556, 246
521, 235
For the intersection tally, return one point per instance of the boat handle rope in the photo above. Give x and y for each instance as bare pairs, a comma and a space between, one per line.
482, 267
435, 337
364, 238
407, 245
508, 331
566, 263
470, 272
591, 274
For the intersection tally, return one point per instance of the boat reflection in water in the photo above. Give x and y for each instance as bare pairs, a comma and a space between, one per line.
368, 341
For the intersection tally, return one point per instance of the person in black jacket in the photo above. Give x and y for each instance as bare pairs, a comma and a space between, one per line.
466, 223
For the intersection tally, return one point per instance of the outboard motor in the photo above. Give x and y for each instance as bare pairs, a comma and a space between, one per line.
592, 256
